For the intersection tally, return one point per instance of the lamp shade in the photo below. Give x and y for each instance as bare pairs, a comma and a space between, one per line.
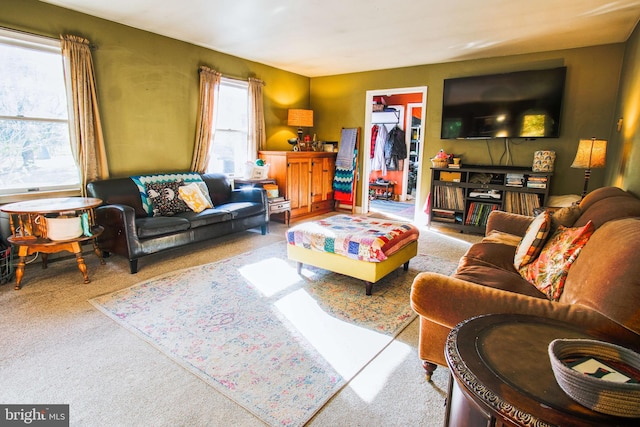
592, 153
300, 118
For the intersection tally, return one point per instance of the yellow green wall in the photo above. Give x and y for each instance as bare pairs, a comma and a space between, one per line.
624, 145
148, 92
148, 86
588, 110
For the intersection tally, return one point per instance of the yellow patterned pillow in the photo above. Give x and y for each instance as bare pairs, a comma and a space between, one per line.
194, 198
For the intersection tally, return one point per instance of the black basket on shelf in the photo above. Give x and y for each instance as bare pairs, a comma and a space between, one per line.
6, 262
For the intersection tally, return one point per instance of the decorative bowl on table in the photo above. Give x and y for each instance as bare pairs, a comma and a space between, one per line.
603, 377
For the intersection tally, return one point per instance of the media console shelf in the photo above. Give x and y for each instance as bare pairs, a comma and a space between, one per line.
463, 198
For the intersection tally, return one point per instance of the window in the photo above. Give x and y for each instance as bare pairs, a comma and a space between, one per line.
229, 148
35, 152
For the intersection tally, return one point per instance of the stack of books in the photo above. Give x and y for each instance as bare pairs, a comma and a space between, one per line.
515, 180
444, 215
537, 181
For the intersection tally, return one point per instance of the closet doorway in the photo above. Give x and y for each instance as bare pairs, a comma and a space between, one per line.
393, 188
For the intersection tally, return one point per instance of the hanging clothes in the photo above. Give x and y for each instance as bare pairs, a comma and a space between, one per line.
378, 162
374, 136
395, 149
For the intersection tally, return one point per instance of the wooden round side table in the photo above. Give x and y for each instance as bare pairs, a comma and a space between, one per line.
502, 375
29, 234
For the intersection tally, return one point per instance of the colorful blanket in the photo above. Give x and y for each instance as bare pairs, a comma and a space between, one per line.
357, 237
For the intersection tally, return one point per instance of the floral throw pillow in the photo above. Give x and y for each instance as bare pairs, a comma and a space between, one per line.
165, 198
549, 271
534, 239
193, 197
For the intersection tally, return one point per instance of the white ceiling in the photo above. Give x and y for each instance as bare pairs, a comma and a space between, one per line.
327, 37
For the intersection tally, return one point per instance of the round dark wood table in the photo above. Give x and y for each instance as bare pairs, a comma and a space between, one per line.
502, 375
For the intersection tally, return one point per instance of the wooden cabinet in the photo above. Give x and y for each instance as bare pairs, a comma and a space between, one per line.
305, 178
463, 198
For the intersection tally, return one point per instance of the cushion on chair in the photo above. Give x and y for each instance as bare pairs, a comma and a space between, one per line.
192, 195
534, 239
549, 271
165, 198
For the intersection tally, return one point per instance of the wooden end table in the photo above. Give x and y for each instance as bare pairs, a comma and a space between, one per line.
280, 206
29, 234
502, 375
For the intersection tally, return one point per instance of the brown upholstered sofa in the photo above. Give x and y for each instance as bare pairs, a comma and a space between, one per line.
601, 292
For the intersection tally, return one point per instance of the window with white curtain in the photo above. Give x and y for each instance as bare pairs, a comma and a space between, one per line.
35, 153
228, 150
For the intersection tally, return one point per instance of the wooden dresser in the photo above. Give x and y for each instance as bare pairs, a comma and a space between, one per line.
305, 178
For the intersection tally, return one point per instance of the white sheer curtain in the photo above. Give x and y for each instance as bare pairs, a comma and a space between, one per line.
209, 87
87, 141
256, 134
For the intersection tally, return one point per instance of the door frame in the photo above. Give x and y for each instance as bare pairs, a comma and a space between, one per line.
366, 146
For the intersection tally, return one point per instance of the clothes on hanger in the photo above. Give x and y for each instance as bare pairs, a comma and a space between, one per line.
395, 149
374, 136
378, 162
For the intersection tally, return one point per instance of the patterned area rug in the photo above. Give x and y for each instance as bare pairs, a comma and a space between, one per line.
278, 344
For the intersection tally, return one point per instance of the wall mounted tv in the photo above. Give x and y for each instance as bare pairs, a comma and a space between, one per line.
523, 104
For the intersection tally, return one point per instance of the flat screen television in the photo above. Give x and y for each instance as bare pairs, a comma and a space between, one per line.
523, 104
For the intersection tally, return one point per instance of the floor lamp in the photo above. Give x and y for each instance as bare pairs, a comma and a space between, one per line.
592, 153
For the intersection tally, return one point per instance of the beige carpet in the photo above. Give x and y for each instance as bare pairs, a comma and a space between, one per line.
57, 348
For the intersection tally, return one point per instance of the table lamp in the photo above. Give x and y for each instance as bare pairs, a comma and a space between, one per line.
592, 153
300, 118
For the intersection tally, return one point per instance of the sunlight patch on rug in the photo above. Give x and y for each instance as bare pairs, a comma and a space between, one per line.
277, 343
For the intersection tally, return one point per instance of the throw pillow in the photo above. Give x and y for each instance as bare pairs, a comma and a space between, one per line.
549, 271
205, 191
565, 217
534, 239
165, 198
142, 180
193, 197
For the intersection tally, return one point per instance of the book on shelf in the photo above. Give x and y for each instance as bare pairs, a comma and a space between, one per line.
537, 181
521, 203
478, 213
448, 198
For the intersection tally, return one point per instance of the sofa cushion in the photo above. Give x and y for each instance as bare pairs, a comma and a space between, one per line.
219, 188
241, 209
608, 209
606, 275
157, 226
534, 239
192, 195
117, 191
165, 198
495, 255
487, 275
549, 271
206, 217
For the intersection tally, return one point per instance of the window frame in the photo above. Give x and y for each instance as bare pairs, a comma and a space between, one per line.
52, 46
226, 81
